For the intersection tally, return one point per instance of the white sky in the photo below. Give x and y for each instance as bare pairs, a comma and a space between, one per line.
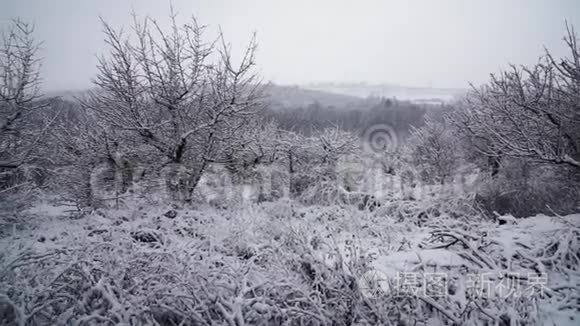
439, 43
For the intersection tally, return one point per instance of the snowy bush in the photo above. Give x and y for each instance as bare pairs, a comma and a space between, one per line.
281, 263
433, 150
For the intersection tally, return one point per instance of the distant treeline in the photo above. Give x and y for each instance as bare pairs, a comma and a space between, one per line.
400, 115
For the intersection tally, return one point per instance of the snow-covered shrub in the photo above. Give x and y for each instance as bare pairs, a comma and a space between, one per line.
199, 267
325, 173
277, 263
524, 189
433, 151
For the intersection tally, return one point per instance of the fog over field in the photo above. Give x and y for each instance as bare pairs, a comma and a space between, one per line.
289, 162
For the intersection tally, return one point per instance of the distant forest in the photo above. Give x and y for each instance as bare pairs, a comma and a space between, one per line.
400, 115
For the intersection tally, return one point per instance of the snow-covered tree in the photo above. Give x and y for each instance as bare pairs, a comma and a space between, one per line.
530, 113
19, 95
434, 151
182, 97
23, 120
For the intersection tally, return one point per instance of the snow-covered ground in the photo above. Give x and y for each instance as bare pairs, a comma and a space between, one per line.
284, 263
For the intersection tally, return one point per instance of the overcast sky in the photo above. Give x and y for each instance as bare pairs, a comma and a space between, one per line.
439, 43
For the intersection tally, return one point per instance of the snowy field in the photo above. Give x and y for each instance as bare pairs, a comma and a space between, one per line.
284, 263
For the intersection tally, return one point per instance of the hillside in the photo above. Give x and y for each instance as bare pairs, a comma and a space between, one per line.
277, 97
280, 96
414, 94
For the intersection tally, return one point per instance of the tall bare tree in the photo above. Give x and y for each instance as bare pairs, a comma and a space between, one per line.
23, 120
530, 113
19, 96
182, 97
